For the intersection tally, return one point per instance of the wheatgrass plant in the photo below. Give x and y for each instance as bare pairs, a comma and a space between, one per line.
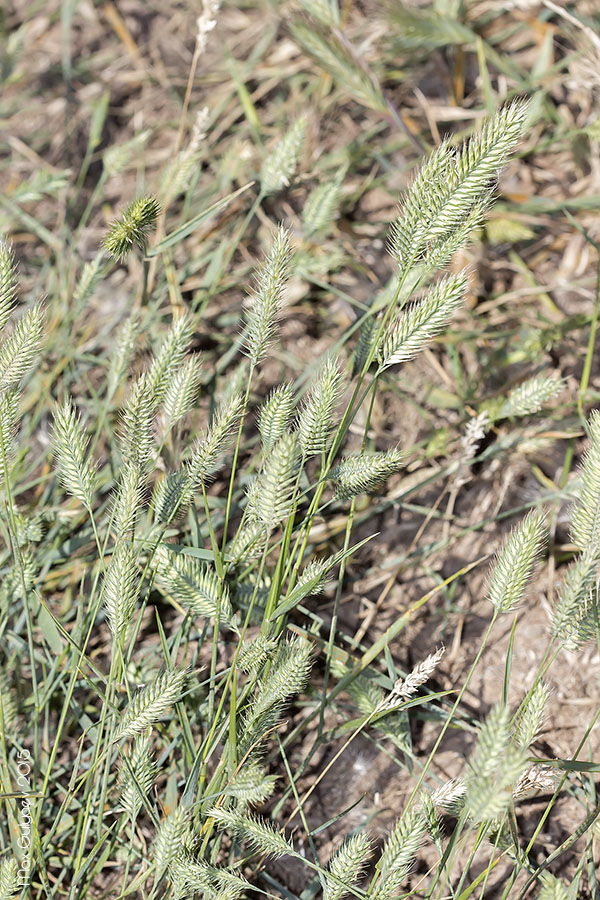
186, 764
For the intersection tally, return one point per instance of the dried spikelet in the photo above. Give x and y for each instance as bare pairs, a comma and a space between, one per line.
251, 785
585, 518
531, 717
168, 359
414, 327
274, 416
137, 775
181, 393
20, 348
534, 781
167, 842
449, 794
7, 283
364, 472
76, 473
397, 857
273, 499
280, 165
120, 590
132, 228
404, 688
493, 768
271, 280
531, 396
151, 703
205, 23
321, 208
514, 564
135, 432
451, 185
128, 500
9, 878
208, 452
254, 831
315, 419
124, 348
346, 866
474, 433
194, 585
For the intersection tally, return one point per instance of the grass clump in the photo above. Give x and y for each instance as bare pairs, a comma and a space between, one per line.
163, 616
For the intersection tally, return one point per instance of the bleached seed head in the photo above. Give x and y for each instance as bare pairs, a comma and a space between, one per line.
535, 780
422, 672
475, 431
206, 22
449, 793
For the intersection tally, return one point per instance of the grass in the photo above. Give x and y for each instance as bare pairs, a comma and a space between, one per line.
211, 424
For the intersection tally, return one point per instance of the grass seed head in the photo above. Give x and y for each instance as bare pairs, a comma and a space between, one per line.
132, 229
280, 164
514, 564
7, 282
364, 472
